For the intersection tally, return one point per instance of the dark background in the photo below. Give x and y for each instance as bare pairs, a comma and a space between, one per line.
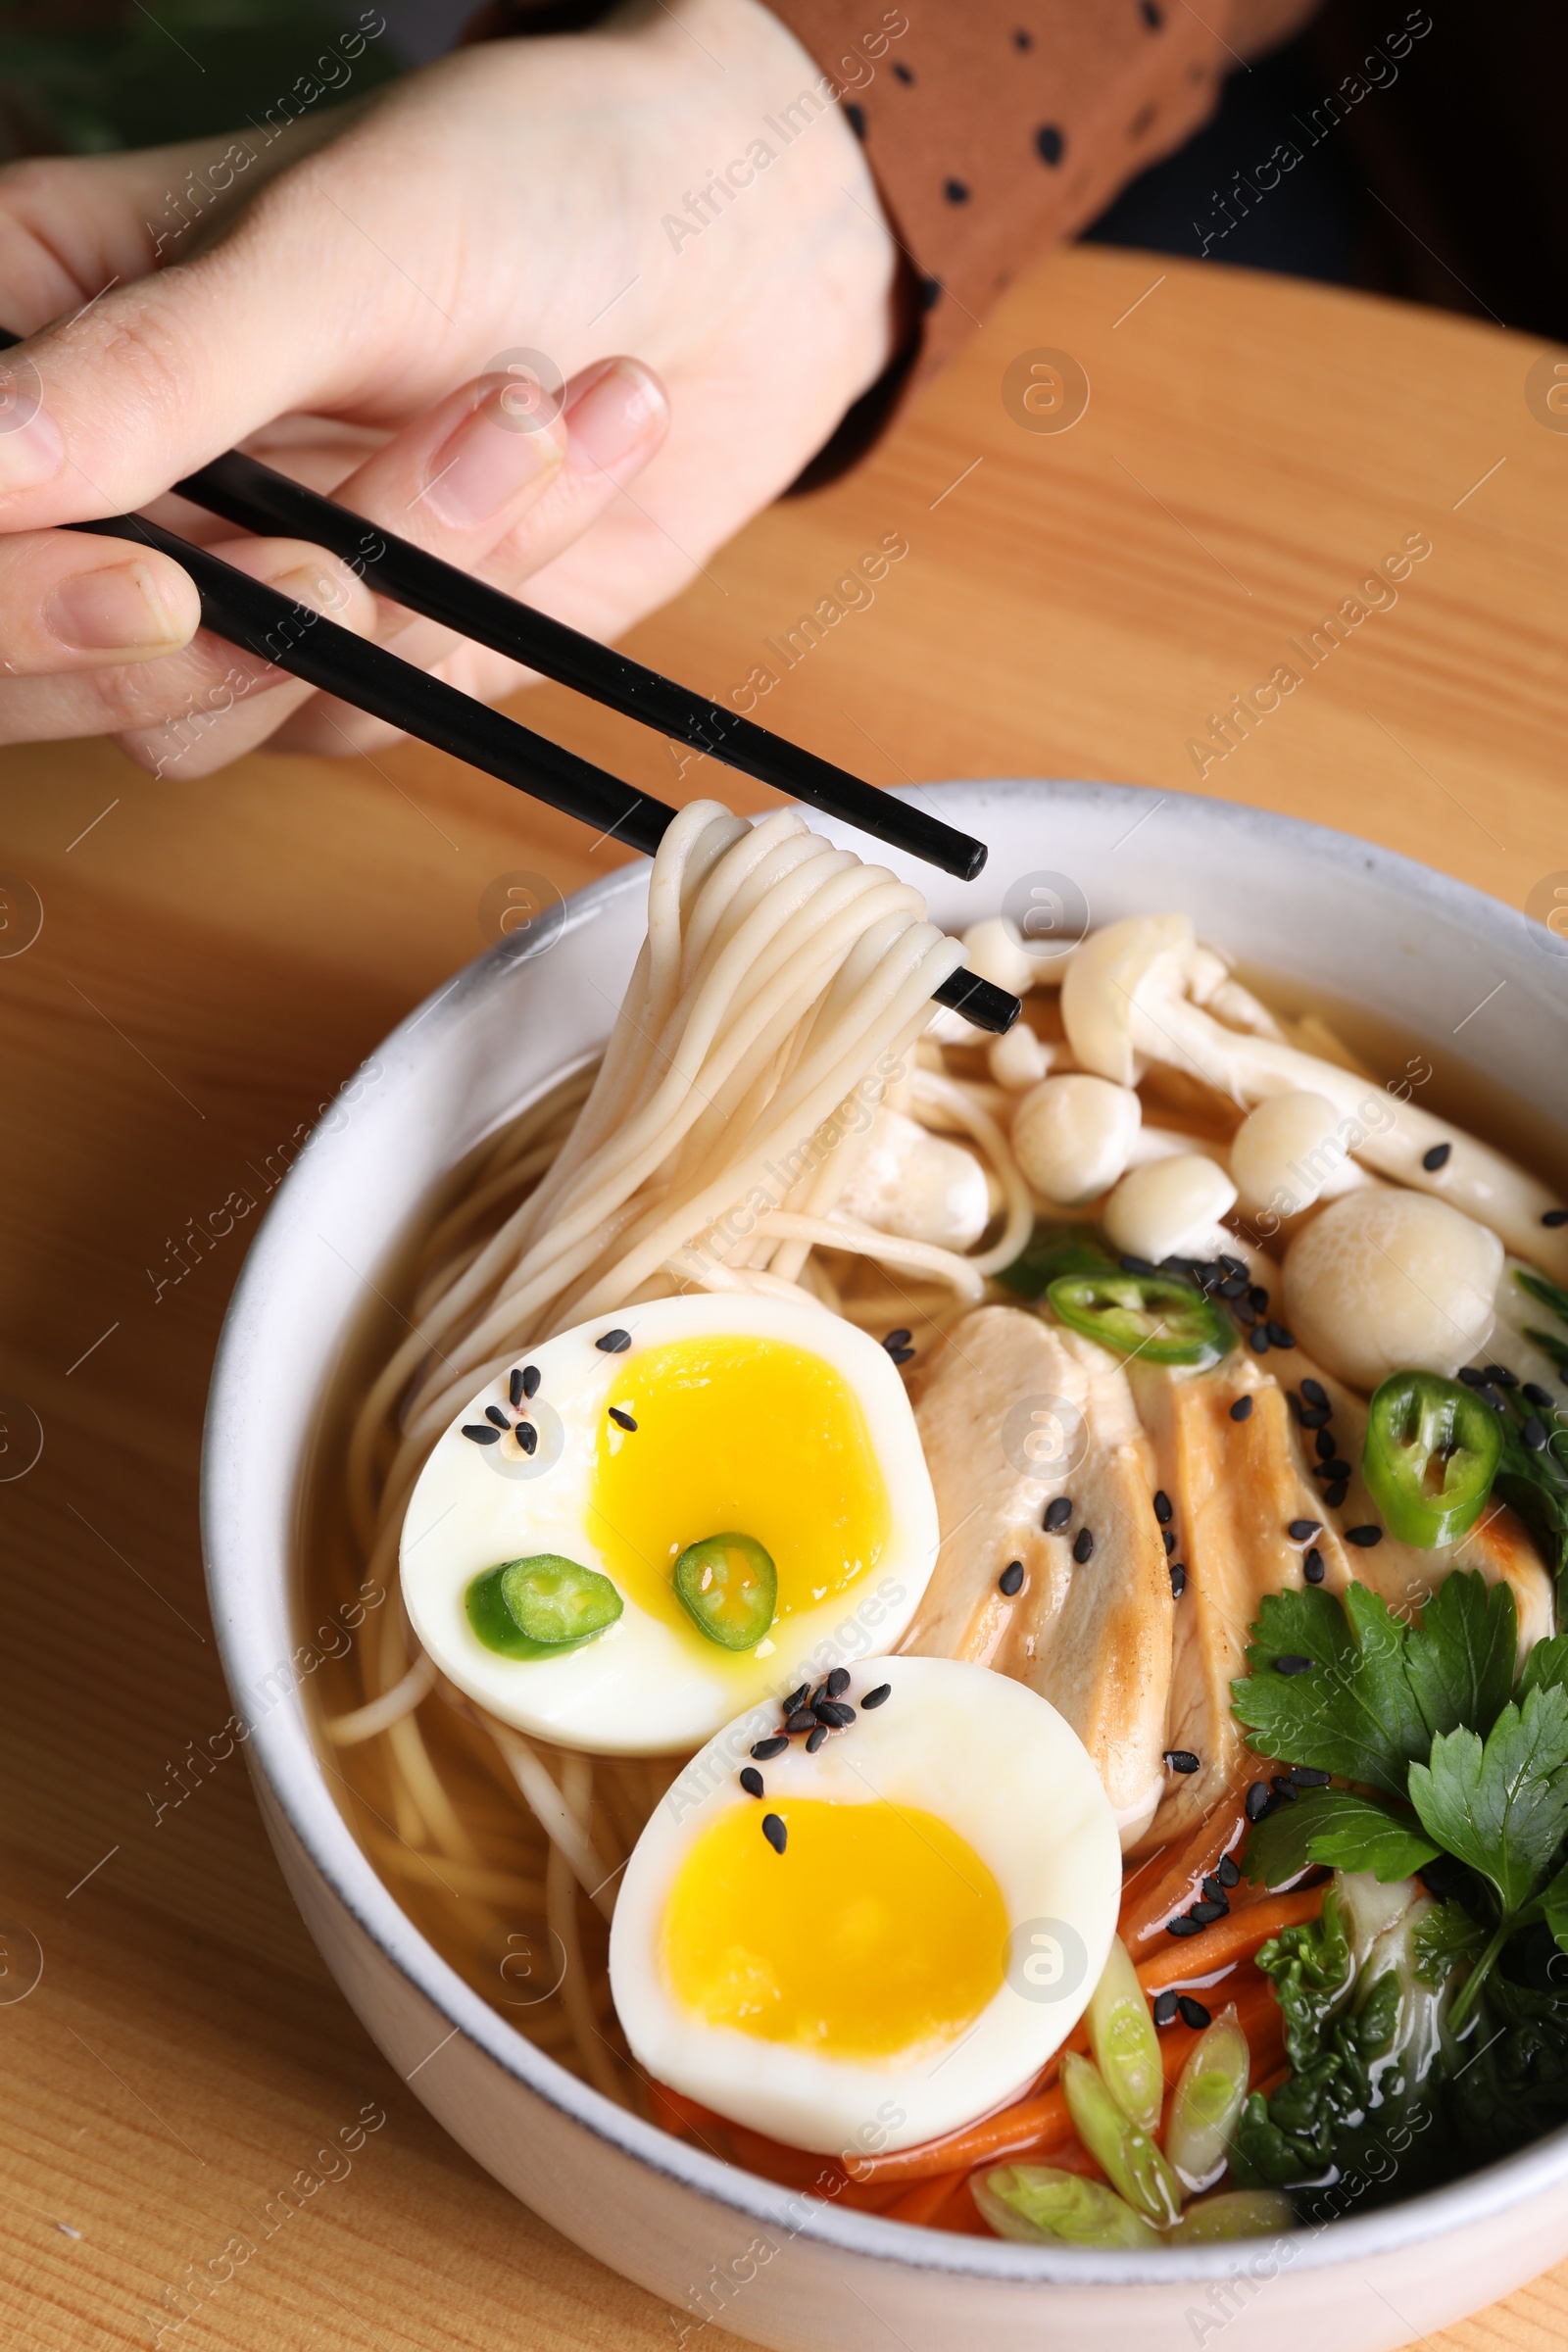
1445, 188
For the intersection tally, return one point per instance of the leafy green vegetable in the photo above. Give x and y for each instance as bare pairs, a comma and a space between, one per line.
1544, 1290
1534, 1480
1354, 1711
1511, 2082
1339, 1829
1461, 1658
1545, 1668
1501, 1806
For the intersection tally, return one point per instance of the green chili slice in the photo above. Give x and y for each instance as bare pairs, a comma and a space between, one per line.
1431, 1454
540, 1607
729, 1589
1052, 1250
1148, 1315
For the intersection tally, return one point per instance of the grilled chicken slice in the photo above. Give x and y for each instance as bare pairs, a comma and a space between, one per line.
1405, 1575
1014, 1414
1235, 1487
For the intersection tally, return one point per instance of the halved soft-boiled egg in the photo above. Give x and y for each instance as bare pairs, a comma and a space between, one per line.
655, 1519
865, 1935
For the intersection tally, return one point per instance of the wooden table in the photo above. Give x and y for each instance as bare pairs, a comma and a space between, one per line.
216, 956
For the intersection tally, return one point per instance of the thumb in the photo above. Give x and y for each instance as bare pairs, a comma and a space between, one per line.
101, 412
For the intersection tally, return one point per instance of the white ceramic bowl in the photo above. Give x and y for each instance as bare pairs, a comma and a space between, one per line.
719, 2245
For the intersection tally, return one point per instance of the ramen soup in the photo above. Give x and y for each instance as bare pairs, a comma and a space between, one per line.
970, 1623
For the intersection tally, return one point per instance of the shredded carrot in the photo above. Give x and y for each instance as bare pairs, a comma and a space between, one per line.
1238, 1934
1029, 2123
925, 2200
1149, 1902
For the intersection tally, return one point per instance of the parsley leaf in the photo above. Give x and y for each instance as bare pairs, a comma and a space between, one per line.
1354, 1711
1545, 1667
1460, 1658
1339, 1829
1502, 1806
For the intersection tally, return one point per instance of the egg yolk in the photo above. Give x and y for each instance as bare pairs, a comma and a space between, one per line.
878, 1932
736, 1436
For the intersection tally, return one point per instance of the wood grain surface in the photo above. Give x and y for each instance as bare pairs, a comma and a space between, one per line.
216, 956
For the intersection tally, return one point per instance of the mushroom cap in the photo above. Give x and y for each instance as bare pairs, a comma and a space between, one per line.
1388, 1281
994, 950
1102, 982
1071, 1135
1284, 1152
1170, 1208
917, 1186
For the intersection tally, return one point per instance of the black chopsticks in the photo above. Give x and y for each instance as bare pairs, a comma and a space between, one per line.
293, 637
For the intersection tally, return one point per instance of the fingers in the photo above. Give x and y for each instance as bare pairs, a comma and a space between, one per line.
144, 693
498, 486
71, 602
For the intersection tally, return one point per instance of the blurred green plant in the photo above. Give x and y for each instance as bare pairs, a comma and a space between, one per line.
86, 77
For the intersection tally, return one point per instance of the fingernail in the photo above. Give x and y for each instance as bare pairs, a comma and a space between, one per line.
614, 412
119, 610
484, 464
32, 451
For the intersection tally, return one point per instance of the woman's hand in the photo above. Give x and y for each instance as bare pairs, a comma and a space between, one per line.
360, 314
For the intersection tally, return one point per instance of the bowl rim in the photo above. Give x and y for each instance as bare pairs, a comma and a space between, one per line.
282, 1748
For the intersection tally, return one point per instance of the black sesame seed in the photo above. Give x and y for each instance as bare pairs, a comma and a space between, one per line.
1534, 1394
1335, 1496
1259, 1298
1244, 1313
1057, 1513
1291, 1663
1181, 1759
515, 1389
1555, 1216
775, 1831
835, 1714
1280, 1336
1472, 1378
493, 1412
1307, 1775
530, 1380
1194, 2012
1241, 1409
765, 1749
1233, 1285
1535, 1434
1214, 1893
901, 1355
1314, 1392
1232, 1265
1167, 1537
1301, 1531
1436, 1159
1493, 1397
1257, 1799
1186, 1924
1365, 1537
481, 1432
1258, 1341
876, 1697
752, 1781
1502, 1376
1178, 1579
898, 1338
1206, 1913
1327, 1444
1312, 1566
838, 1681
1226, 1871
1334, 1469
1083, 1545
622, 1420
527, 1435
800, 1719
816, 1739
1312, 1416
1284, 1789
795, 1698
616, 1342
1163, 1509
1138, 1265
1011, 1581
1165, 2008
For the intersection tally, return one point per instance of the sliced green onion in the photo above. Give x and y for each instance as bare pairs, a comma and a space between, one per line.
729, 1589
1123, 2152
1125, 2044
1056, 1249
1207, 2100
1236, 2213
1431, 1454
540, 1607
1039, 2205
1148, 1315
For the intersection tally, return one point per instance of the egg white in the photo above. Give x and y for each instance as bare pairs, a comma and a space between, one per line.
642, 1686
1000, 1766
